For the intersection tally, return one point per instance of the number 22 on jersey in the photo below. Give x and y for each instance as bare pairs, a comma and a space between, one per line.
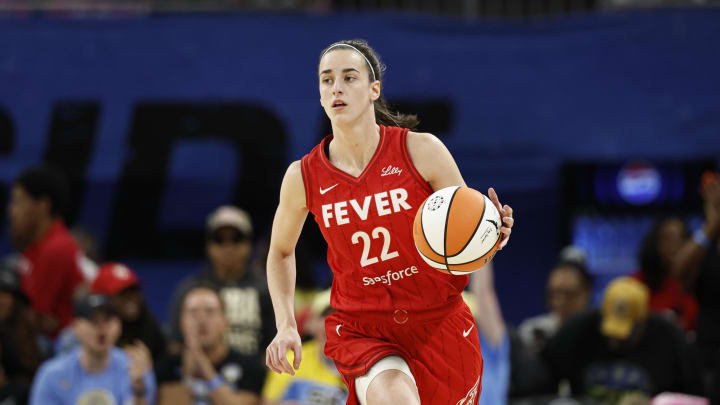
385, 254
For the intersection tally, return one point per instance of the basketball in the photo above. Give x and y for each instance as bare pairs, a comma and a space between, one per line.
457, 230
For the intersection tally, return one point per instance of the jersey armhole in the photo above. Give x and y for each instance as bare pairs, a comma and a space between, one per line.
306, 181
409, 162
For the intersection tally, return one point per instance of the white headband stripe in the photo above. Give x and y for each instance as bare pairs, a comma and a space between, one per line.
358, 51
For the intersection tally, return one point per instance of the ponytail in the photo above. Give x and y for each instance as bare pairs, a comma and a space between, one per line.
387, 117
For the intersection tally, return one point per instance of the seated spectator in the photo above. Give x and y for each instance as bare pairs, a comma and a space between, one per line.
247, 301
207, 371
569, 290
20, 353
97, 372
317, 380
51, 263
667, 294
621, 349
122, 284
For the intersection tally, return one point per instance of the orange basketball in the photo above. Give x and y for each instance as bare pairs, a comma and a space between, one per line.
457, 230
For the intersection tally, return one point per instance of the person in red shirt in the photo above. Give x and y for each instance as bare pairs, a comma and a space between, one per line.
657, 257
50, 263
402, 333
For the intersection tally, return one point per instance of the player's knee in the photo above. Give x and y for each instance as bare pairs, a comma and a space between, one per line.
392, 387
389, 381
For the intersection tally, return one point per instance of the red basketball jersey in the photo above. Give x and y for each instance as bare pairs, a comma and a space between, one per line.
367, 223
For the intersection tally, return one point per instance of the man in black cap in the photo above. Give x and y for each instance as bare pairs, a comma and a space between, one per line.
228, 244
97, 372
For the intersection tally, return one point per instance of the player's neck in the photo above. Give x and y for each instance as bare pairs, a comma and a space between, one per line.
354, 145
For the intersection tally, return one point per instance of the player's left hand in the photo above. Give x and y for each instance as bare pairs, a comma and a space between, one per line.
507, 217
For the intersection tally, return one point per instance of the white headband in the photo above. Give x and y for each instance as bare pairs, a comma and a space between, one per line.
358, 51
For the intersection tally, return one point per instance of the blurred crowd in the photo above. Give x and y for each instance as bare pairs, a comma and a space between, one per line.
75, 329
465, 8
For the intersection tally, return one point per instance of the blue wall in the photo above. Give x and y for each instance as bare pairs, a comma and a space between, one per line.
521, 98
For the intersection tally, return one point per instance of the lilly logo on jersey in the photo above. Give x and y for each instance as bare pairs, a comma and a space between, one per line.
390, 169
385, 203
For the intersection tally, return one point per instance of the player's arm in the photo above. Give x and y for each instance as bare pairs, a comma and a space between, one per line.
433, 161
437, 166
287, 225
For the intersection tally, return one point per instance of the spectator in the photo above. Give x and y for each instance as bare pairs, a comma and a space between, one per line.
20, 353
208, 371
97, 372
317, 380
569, 290
249, 309
608, 353
667, 294
494, 338
698, 264
122, 284
50, 266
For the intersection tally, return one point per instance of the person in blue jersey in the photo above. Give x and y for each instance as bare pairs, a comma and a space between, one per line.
97, 372
493, 334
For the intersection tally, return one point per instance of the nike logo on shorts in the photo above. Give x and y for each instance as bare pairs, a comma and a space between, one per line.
467, 332
327, 189
337, 330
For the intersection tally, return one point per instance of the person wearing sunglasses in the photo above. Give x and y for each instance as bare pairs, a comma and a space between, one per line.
228, 245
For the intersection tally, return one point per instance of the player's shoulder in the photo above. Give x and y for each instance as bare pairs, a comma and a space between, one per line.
294, 168
422, 142
424, 148
293, 187
293, 174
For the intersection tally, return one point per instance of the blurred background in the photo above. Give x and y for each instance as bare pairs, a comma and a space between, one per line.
591, 118
581, 114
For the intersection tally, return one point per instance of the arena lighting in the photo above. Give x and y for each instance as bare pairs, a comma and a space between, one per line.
639, 183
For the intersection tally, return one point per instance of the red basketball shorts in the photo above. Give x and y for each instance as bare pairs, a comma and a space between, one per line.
441, 347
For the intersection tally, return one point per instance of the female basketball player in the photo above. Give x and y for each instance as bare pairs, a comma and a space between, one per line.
402, 334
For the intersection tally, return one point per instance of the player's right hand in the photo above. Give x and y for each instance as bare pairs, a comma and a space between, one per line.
276, 353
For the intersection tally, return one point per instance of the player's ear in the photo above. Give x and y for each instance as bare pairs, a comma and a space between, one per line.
375, 90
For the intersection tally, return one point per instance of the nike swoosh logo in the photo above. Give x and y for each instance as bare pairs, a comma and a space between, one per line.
493, 222
337, 330
467, 332
327, 189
